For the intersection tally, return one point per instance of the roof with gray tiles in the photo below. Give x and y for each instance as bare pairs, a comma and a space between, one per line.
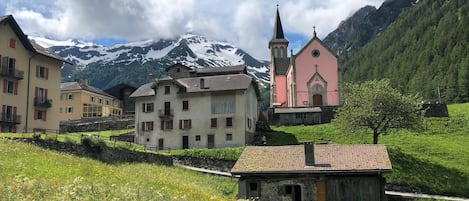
144, 90
216, 83
71, 86
222, 70
329, 158
281, 65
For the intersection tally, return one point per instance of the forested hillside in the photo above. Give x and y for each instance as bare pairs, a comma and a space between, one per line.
424, 50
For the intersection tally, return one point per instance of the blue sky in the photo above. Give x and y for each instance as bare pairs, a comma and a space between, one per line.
245, 23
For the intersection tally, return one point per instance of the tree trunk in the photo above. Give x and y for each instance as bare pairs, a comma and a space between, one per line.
375, 136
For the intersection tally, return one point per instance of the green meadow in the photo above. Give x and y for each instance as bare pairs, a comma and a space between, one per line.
434, 160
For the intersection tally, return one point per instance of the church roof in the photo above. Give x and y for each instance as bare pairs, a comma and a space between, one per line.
278, 35
281, 65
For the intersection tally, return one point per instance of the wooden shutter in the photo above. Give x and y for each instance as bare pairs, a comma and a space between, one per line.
151, 125
47, 73
35, 114
36, 92
5, 82
45, 94
13, 61
16, 89
37, 70
180, 124
162, 125
44, 114
143, 108
12, 43
4, 108
143, 126
14, 111
190, 123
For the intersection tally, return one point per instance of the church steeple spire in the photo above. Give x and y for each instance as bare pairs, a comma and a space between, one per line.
278, 38
278, 29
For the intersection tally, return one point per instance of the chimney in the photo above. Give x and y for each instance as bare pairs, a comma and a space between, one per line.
85, 82
202, 83
309, 153
151, 77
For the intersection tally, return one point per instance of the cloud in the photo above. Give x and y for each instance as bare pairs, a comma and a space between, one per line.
245, 23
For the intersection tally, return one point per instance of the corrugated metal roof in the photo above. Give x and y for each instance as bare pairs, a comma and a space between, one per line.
329, 158
297, 110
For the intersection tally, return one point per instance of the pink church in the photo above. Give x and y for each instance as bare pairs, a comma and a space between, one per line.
305, 83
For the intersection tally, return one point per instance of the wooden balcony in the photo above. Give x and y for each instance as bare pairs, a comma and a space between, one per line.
11, 73
166, 113
10, 119
42, 102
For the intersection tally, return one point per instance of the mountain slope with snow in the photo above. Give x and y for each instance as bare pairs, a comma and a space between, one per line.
132, 62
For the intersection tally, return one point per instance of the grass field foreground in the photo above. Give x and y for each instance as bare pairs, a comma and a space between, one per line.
28, 172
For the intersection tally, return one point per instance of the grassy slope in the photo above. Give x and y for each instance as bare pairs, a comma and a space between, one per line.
435, 160
31, 173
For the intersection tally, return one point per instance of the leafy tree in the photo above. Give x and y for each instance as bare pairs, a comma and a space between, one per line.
376, 105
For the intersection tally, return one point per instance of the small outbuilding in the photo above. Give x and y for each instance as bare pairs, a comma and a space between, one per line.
312, 172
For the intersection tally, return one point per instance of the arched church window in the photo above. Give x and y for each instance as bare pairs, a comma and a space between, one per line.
281, 52
275, 52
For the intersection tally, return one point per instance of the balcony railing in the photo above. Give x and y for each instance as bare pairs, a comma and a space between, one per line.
166, 113
42, 102
9, 118
15, 74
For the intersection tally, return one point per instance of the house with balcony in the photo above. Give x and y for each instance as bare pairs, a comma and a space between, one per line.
80, 100
30, 82
194, 108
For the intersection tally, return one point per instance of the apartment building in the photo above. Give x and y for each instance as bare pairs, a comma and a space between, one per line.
192, 108
80, 100
30, 82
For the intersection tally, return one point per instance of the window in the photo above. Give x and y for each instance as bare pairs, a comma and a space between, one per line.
40, 115
60, 110
229, 137
92, 99
40, 95
10, 87
301, 116
91, 110
69, 96
229, 122
185, 124
147, 126
166, 124
197, 138
249, 123
253, 189
69, 110
12, 43
42, 72
107, 102
185, 105
100, 100
167, 89
147, 107
213, 122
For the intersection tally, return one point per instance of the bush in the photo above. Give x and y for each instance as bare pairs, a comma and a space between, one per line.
93, 146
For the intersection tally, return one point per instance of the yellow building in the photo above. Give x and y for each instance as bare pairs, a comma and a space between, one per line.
29, 80
80, 100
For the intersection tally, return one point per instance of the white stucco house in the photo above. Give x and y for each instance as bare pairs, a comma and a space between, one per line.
197, 108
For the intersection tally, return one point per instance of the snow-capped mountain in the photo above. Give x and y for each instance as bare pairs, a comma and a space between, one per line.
132, 62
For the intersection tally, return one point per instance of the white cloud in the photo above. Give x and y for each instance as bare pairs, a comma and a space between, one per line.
246, 23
